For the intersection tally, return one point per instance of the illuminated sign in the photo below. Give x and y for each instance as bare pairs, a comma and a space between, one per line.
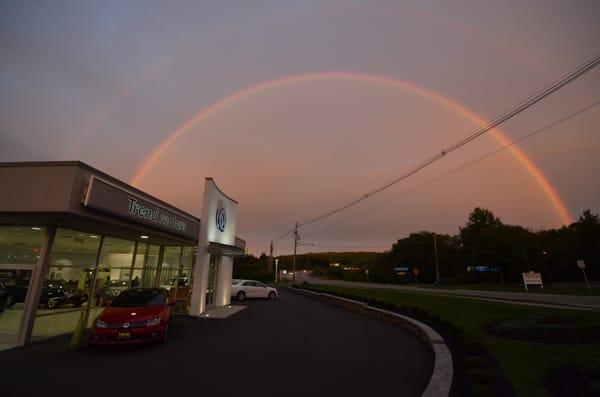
221, 218
155, 215
105, 196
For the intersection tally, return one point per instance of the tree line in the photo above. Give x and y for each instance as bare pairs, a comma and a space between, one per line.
485, 249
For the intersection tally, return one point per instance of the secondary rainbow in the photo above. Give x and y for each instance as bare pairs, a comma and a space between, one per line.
533, 170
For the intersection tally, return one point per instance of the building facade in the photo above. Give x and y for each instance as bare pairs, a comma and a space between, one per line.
73, 237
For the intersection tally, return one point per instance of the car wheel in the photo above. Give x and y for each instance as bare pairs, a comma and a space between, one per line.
52, 304
241, 295
272, 295
10, 302
2, 305
77, 303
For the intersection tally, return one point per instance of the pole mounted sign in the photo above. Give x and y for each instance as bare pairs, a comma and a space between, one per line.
581, 265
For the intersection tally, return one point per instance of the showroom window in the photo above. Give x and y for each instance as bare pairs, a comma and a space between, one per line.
114, 270
138, 265
182, 294
151, 266
19, 253
169, 270
67, 283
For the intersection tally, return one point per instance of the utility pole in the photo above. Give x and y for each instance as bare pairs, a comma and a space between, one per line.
437, 265
270, 268
295, 246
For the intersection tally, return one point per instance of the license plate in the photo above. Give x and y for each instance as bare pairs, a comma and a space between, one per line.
124, 335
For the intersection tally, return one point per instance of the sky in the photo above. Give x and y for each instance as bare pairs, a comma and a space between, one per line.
298, 107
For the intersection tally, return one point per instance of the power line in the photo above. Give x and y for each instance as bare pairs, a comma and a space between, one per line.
527, 103
345, 247
455, 170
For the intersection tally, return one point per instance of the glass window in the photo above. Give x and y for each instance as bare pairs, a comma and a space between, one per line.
151, 266
138, 265
66, 287
114, 269
19, 253
181, 295
169, 272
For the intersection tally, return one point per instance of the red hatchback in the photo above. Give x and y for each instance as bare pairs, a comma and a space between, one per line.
135, 316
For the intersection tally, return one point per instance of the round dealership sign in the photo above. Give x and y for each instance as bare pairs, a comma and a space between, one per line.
221, 219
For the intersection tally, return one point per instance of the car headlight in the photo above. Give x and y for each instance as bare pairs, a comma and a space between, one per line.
153, 322
101, 324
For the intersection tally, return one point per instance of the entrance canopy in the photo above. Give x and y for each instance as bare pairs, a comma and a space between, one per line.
224, 249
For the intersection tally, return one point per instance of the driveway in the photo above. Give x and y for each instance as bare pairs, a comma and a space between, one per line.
294, 346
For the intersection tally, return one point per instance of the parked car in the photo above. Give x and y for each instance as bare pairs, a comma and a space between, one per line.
136, 315
242, 289
170, 283
54, 294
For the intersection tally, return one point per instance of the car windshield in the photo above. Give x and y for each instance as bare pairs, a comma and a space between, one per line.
236, 282
136, 298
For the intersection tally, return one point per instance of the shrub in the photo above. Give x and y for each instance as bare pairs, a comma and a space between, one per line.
544, 329
594, 387
480, 376
413, 311
589, 364
474, 362
422, 313
473, 347
481, 391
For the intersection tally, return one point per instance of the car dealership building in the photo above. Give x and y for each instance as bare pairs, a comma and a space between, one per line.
73, 237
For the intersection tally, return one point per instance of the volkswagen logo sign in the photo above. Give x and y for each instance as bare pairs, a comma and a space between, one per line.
126, 325
221, 219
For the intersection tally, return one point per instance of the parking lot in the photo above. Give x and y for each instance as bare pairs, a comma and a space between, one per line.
292, 346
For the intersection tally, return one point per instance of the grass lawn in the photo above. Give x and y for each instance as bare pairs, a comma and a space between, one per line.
583, 291
523, 363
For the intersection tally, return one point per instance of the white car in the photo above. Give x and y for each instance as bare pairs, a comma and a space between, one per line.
242, 289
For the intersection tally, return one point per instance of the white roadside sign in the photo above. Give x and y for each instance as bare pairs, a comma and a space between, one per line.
531, 278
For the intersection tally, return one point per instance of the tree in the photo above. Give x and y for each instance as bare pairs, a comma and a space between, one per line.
479, 237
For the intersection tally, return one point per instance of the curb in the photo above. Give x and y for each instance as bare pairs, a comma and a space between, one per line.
441, 378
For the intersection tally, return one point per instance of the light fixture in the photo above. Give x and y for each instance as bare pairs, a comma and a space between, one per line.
36, 228
144, 237
93, 236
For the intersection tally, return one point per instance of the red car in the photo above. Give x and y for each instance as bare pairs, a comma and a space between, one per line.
136, 315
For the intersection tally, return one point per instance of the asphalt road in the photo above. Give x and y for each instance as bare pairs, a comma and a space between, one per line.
582, 302
295, 346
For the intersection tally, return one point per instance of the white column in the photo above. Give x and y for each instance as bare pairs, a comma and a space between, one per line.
223, 287
198, 298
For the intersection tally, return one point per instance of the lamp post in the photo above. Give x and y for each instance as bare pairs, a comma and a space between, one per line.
276, 271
